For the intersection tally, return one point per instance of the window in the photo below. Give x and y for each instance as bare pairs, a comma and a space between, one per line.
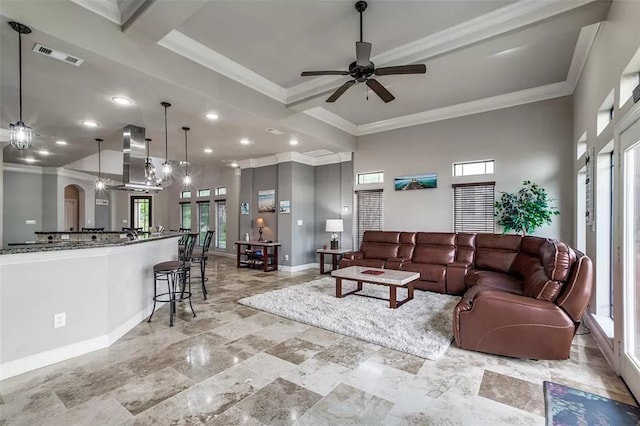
222, 190
141, 212
604, 232
185, 194
185, 215
581, 147
369, 218
221, 224
204, 192
605, 113
203, 221
470, 168
473, 207
370, 177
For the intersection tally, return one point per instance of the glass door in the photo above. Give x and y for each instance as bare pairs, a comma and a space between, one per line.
630, 350
221, 224
203, 221
141, 212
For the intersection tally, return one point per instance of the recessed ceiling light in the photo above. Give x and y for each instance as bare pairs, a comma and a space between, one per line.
43, 152
89, 123
293, 142
245, 141
274, 131
121, 100
211, 116
30, 159
61, 142
234, 164
208, 150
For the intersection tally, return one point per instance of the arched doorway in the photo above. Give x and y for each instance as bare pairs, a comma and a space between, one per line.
72, 198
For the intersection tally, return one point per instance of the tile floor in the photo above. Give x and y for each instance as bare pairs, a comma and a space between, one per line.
233, 365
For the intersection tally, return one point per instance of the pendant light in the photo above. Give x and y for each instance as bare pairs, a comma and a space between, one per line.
167, 170
187, 178
20, 134
100, 184
149, 168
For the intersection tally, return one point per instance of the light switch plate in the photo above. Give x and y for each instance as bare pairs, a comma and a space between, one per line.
300, 222
64, 236
31, 221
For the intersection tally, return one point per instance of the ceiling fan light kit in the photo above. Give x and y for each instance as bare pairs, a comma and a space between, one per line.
362, 69
20, 135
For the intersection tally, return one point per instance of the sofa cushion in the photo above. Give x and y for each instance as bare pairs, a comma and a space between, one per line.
494, 281
496, 252
557, 259
428, 272
439, 255
369, 263
436, 238
528, 256
407, 244
465, 248
538, 285
375, 250
381, 237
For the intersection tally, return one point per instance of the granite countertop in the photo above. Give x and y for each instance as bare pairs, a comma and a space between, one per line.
74, 245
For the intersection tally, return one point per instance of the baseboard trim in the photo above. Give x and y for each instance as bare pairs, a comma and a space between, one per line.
297, 268
222, 254
43, 359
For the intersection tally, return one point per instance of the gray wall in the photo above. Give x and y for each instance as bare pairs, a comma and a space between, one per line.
303, 243
22, 201
530, 141
334, 200
1, 196
50, 199
252, 181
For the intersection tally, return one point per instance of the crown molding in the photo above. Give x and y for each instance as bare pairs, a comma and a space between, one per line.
296, 157
108, 9
332, 119
191, 49
483, 27
581, 53
22, 168
61, 171
506, 100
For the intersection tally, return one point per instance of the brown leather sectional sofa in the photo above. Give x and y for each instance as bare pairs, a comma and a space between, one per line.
521, 296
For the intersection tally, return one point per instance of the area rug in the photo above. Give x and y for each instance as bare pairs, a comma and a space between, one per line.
422, 327
567, 406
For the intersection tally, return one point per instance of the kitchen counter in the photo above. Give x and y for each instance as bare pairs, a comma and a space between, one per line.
75, 245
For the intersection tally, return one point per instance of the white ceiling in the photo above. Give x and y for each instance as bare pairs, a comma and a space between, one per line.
233, 53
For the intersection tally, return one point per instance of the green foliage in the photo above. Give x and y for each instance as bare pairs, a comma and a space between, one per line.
526, 210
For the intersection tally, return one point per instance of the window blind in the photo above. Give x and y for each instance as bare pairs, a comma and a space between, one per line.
473, 207
369, 205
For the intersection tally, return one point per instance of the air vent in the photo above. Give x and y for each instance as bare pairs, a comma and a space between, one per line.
318, 153
56, 54
274, 131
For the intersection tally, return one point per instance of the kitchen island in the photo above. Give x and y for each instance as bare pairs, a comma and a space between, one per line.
102, 289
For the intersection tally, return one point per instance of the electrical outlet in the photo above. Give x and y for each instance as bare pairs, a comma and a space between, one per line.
60, 320
286, 257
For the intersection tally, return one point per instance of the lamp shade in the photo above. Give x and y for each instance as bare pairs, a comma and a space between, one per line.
334, 225
260, 222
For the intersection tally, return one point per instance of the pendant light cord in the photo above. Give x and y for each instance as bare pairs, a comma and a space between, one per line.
186, 159
20, 69
166, 138
99, 162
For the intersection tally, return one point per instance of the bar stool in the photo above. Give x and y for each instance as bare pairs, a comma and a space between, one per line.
200, 256
176, 273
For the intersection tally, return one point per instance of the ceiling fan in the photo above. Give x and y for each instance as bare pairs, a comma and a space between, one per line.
363, 69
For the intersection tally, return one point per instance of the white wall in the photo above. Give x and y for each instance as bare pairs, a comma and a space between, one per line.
527, 142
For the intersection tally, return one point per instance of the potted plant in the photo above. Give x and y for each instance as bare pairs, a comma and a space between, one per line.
526, 210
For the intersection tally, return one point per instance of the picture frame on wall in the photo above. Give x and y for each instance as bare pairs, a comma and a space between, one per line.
244, 208
285, 207
267, 201
422, 181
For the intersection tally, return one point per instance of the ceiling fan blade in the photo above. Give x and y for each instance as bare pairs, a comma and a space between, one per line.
308, 73
334, 97
363, 53
402, 69
384, 94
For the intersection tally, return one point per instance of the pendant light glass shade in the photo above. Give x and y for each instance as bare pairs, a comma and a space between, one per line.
186, 180
149, 169
100, 183
20, 135
167, 169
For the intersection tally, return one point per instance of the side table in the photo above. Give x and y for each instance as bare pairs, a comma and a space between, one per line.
335, 257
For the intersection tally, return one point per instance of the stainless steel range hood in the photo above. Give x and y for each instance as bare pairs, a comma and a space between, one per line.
134, 157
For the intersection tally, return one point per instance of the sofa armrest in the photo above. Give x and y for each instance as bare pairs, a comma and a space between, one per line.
513, 325
456, 273
353, 255
396, 262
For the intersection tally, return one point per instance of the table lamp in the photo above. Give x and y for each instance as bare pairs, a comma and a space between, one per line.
260, 224
334, 226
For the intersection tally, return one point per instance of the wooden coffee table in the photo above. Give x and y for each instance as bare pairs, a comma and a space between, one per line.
389, 277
